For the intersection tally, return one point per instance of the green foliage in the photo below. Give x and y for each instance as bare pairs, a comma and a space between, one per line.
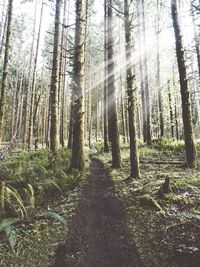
167, 146
7, 228
32, 177
55, 216
150, 202
14, 200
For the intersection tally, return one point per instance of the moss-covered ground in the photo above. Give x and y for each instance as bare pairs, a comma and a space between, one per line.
166, 228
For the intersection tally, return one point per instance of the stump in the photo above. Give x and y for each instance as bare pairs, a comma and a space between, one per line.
165, 187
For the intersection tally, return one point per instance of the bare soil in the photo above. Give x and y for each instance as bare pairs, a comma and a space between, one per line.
98, 234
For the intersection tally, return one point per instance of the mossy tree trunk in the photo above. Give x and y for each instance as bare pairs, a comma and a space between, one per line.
186, 109
54, 82
112, 108
5, 66
77, 160
131, 92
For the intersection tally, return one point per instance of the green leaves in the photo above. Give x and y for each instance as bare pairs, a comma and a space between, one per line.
7, 227
32, 177
55, 216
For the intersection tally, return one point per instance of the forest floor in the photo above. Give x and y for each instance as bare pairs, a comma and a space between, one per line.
98, 234
117, 224
99, 218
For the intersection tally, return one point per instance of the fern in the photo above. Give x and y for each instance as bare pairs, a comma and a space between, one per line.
31, 196
10, 193
55, 216
7, 227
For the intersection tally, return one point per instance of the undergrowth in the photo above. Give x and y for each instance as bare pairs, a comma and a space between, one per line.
38, 195
32, 179
166, 229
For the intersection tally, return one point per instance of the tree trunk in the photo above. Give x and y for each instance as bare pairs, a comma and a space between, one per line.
187, 119
5, 66
106, 145
160, 106
176, 118
146, 80
54, 83
131, 92
28, 90
170, 109
112, 108
77, 160
32, 92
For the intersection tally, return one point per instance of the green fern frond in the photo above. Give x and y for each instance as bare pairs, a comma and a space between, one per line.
12, 192
55, 216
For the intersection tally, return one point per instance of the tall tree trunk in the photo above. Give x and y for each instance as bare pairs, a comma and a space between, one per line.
28, 90
112, 108
106, 145
77, 160
170, 109
122, 114
160, 106
187, 119
61, 81
146, 79
54, 82
32, 91
5, 66
131, 92
176, 118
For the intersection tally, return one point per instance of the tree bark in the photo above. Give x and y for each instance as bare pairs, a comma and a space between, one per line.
146, 80
186, 109
32, 92
78, 160
54, 83
170, 109
160, 106
106, 145
131, 92
112, 108
5, 66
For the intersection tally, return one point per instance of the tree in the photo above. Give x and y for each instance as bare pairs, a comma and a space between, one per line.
33, 85
77, 160
54, 82
186, 109
5, 65
160, 106
112, 108
106, 146
28, 89
131, 92
146, 80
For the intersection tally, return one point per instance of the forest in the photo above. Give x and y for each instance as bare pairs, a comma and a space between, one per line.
100, 133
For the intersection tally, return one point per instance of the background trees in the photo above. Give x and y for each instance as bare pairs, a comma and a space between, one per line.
67, 79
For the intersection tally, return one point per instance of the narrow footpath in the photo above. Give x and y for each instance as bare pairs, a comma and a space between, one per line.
98, 235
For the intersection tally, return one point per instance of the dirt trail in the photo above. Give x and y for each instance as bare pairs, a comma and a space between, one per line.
98, 235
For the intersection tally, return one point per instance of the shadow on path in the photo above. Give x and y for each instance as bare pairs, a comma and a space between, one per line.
98, 235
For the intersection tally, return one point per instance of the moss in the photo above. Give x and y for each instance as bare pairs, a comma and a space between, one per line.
150, 202
176, 199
